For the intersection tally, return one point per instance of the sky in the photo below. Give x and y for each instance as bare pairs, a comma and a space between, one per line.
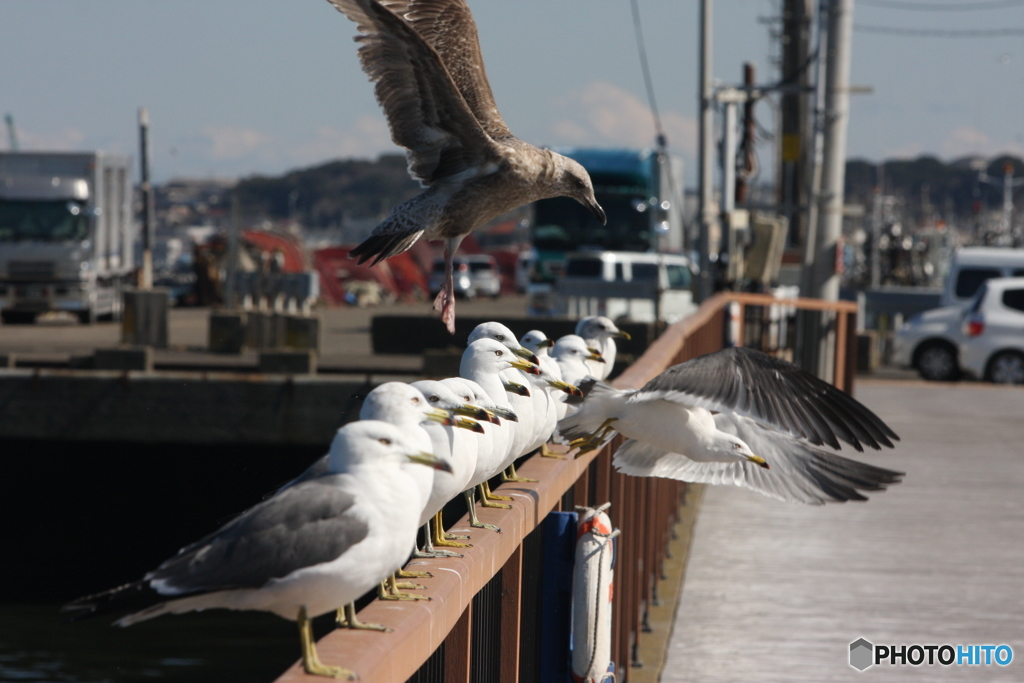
242, 87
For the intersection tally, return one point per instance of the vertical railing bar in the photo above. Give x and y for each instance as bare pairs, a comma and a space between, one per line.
457, 653
511, 606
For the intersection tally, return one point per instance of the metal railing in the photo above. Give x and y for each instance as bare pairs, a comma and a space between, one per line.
484, 620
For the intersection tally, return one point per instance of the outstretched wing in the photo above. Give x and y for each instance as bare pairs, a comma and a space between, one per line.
798, 472
448, 27
425, 110
754, 384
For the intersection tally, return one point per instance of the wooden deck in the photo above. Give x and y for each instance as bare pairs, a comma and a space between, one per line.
776, 592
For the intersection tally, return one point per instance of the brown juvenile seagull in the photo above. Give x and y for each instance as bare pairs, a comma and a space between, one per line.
424, 58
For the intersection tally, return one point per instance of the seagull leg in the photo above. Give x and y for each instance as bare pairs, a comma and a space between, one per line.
439, 538
389, 591
474, 521
594, 440
445, 301
347, 619
546, 452
310, 660
510, 475
487, 498
429, 550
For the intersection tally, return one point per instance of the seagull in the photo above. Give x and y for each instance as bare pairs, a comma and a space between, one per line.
600, 333
538, 342
738, 416
301, 553
572, 353
424, 59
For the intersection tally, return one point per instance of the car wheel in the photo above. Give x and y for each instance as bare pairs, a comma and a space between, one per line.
1006, 367
938, 363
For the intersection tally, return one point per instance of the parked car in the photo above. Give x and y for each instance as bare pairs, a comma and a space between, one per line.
972, 266
993, 332
929, 342
473, 275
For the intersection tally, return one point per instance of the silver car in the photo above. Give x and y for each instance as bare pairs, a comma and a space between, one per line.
473, 275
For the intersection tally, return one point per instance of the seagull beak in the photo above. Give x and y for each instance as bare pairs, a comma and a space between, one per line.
506, 414
594, 351
471, 425
514, 388
546, 344
440, 416
621, 334
476, 412
528, 368
758, 460
526, 354
596, 209
430, 460
594, 355
566, 387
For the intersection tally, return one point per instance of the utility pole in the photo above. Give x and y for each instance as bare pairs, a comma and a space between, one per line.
705, 153
146, 277
876, 225
1008, 183
820, 263
12, 133
747, 142
792, 181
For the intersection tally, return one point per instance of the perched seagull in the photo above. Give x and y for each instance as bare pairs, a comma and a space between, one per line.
301, 553
600, 333
572, 353
738, 416
424, 58
538, 342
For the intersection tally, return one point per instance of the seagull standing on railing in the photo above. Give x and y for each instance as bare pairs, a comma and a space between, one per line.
299, 554
571, 353
600, 333
424, 58
737, 416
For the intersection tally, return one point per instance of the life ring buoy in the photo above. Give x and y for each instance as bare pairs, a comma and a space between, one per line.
592, 594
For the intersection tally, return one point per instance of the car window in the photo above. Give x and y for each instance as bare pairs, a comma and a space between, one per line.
978, 298
678, 277
969, 279
645, 271
479, 266
619, 277
584, 268
1014, 298
1018, 272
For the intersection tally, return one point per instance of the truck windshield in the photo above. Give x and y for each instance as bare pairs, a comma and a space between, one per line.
38, 221
564, 224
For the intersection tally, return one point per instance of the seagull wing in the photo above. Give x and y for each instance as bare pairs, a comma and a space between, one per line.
799, 473
448, 27
425, 110
754, 384
306, 524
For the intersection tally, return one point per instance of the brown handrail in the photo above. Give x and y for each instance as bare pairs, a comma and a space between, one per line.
644, 509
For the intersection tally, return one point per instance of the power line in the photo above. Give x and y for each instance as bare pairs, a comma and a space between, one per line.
944, 6
939, 33
648, 82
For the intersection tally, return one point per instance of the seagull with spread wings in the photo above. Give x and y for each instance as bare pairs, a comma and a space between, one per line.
742, 417
424, 59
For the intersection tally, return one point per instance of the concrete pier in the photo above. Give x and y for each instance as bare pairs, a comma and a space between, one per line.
777, 592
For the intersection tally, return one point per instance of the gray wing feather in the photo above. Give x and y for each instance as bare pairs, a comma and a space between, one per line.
448, 27
306, 524
425, 110
770, 390
798, 471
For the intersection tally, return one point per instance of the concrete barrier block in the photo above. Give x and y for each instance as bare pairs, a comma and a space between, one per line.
867, 351
137, 358
288, 362
302, 332
441, 362
145, 317
265, 330
6, 360
227, 332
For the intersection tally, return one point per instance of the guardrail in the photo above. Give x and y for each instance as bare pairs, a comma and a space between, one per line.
483, 622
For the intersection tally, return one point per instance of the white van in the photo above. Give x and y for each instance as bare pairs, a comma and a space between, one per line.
636, 286
974, 265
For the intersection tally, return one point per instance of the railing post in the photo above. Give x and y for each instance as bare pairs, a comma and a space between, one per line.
511, 591
457, 651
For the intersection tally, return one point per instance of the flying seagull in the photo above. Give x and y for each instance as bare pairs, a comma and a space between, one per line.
424, 59
738, 416
305, 551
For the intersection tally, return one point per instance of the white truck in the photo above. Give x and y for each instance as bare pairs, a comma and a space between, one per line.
67, 234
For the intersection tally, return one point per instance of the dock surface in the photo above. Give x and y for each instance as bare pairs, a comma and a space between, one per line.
777, 592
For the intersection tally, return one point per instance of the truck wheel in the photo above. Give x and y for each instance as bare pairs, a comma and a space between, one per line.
86, 317
17, 317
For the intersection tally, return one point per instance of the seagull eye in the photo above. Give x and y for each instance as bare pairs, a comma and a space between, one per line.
386, 442
498, 353
500, 337
415, 400
737, 447
435, 399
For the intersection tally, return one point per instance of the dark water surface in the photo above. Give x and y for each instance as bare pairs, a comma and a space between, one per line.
78, 518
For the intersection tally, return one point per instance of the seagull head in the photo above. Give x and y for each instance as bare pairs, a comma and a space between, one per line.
504, 336
600, 328
735, 447
537, 341
443, 398
401, 403
376, 444
572, 180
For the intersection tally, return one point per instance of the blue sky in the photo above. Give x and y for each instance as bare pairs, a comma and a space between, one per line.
237, 87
